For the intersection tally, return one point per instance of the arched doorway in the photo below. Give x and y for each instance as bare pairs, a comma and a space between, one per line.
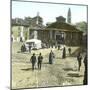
60, 38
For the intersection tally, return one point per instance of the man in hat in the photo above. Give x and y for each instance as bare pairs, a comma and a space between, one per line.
40, 58
79, 58
33, 61
69, 50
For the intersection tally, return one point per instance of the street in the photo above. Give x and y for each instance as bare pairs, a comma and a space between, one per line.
62, 73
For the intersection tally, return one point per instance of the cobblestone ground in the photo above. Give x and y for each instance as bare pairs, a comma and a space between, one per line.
62, 73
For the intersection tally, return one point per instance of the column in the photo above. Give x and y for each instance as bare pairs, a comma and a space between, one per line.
50, 35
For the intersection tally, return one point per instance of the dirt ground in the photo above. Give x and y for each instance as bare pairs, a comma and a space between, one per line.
62, 73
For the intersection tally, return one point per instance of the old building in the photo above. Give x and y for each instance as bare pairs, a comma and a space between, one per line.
20, 30
59, 32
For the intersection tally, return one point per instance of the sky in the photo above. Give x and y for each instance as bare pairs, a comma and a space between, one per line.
48, 11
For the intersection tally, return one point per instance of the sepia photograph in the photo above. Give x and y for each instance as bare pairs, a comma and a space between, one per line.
48, 44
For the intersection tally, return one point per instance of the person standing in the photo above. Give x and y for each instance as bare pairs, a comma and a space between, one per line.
85, 72
33, 61
55, 45
79, 58
69, 50
51, 57
40, 58
64, 53
23, 48
58, 47
29, 48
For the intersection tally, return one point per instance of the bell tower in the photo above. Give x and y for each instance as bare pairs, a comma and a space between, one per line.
37, 20
69, 16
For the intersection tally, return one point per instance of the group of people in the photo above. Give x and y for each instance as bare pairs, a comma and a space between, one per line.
23, 48
34, 61
52, 59
64, 52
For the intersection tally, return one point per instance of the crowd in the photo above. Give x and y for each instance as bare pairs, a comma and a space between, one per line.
51, 60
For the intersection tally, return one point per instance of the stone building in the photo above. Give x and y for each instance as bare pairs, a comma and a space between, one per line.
20, 30
59, 32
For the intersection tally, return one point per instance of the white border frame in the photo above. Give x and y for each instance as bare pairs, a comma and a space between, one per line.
5, 45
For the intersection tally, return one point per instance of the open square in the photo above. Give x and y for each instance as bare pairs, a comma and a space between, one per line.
49, 45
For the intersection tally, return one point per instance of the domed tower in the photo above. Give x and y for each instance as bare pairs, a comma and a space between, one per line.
69, 16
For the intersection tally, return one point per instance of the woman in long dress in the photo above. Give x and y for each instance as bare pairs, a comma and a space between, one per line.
51, 57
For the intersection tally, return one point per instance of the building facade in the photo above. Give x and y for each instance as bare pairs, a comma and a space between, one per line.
58, 32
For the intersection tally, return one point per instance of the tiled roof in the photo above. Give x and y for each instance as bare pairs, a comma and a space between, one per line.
63, 26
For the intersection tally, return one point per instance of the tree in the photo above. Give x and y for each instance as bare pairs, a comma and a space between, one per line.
17, 21
82, 26
27, 20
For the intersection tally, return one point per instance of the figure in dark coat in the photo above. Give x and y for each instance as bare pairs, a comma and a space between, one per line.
30, 48
79, 58
51, 57
58, 47
40, 58
23, 48
85, 72
69, 50
64, 53
33, 61
21, 39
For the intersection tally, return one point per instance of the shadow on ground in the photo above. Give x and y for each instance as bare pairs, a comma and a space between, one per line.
74, 75
26, 69
68, 69
46, 63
